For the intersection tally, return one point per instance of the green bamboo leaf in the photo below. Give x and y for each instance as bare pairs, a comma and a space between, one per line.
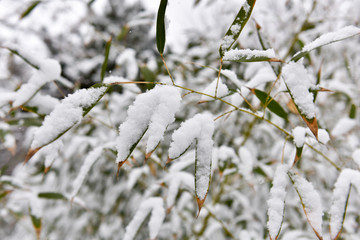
160, 27
298, 154
270, 103
326, 39
52, 195
123, 33
106, 58
352, 113
236, 27
37, 224
32, 6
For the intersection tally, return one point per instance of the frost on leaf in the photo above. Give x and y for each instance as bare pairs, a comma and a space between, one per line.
155, 205
298, 84
221, 90
311, 202
64, 116
347, 178
151, 112
276, 203
198, 129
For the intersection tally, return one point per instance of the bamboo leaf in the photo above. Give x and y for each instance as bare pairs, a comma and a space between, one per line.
37, 224
66, 115
352, 113
236, 27
32, 6
270, 103
298, 154
247, 55
340, 198
52, 195
310, 201
106, 58
160, 27
326, 39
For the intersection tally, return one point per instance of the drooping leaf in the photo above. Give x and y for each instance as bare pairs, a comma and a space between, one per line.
340, 198
236, 27
52, 195
37, 224
298, 154
270, 103
155, 206
32, 6
352, 113
106, 58
310, 201
247, 55
160, 27
326, 39
66, 115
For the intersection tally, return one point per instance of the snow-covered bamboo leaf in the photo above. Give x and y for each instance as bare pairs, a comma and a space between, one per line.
198, 129
52, 195
151, 112
155, 205
310, 201
32, 6
247, 55
299, 140
160, 27
270, 103
65, 115
299, 85
276, 203
89, 161
175, 181
341, 193
326, 39
236, 27
106, 58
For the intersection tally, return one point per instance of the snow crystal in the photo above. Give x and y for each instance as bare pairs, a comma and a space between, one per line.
248, 54
235, 29
49, 70
330, 37
299, 136
152, 111
298, 83
199, 128
344, 126
156, 206
339, 199
66, 114
276, 202
311, 200
356, 156
222, 90
226, 42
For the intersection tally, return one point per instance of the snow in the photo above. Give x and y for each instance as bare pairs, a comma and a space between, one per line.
339, 198
276, 203
311, 201
222, 90
44, 103
177, 180
65, 115
248, 54
323, 136
156, 206
343, 126
298, 83
49, 70
89, 161
299, 136
330, 37
49, 152
200, 129
356, 157
127, 58
152, 111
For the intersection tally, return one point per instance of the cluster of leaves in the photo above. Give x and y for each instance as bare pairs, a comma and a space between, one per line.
281, 110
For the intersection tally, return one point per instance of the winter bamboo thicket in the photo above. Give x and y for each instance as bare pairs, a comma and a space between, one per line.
189, 141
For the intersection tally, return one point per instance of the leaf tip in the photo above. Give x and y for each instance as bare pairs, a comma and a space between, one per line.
30, 154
